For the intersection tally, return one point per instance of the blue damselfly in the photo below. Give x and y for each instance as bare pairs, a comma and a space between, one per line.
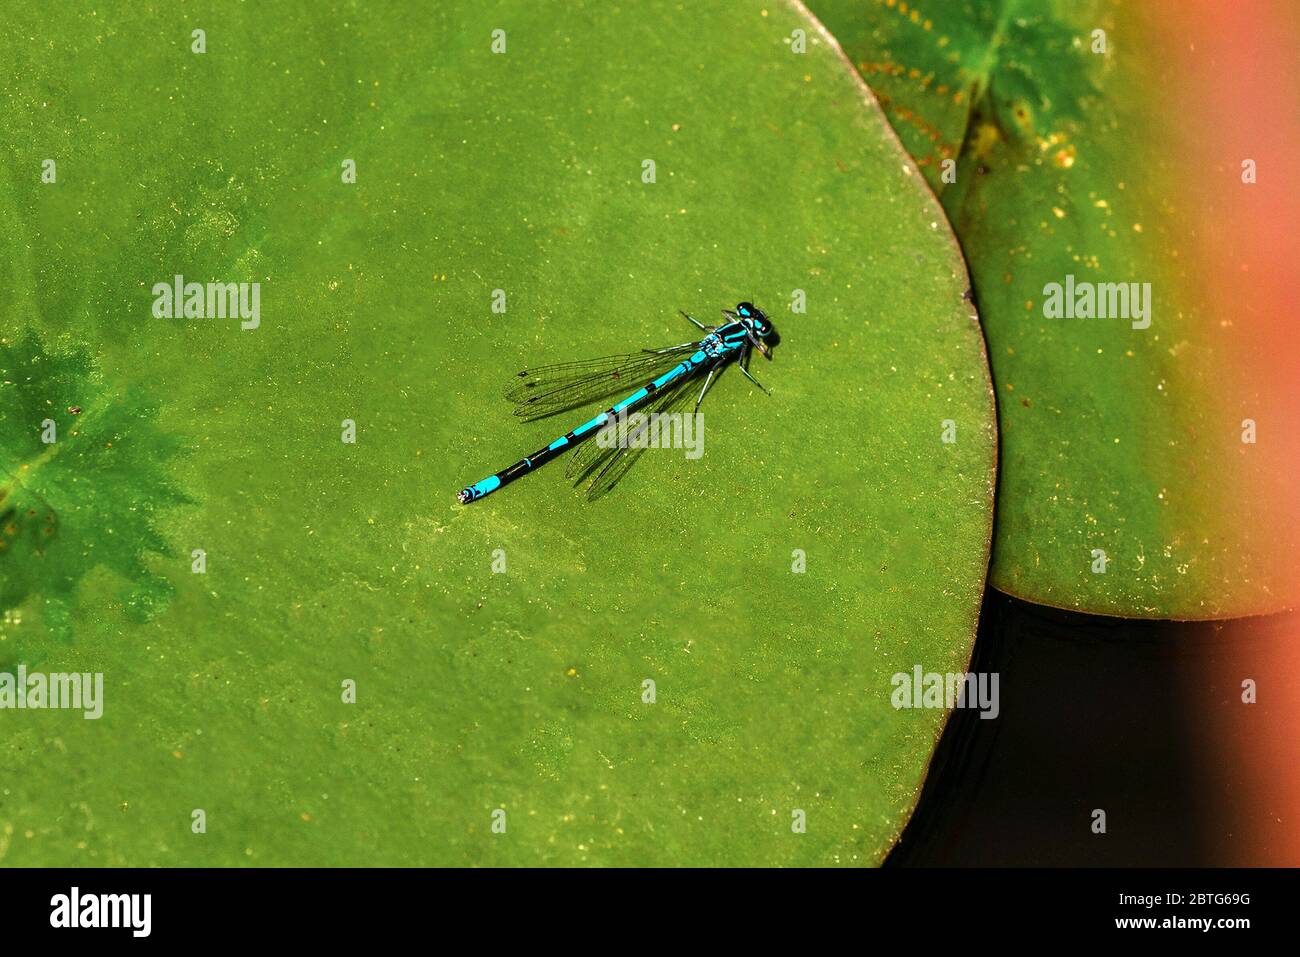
665, 374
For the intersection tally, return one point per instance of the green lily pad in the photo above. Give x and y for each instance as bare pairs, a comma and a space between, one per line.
827, 539
1126, 487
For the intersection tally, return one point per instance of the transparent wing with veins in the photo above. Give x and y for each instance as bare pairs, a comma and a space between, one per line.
604, 467
545, 390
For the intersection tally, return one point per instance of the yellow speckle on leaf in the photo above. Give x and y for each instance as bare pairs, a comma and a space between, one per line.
986, 137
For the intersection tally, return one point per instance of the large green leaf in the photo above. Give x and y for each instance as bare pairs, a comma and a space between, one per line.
1125, 485
327, 561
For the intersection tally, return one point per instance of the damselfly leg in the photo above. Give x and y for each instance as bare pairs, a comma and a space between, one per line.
743, 362
700, 325
708, 379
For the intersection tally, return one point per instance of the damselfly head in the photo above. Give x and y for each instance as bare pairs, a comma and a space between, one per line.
759, 326
754, 318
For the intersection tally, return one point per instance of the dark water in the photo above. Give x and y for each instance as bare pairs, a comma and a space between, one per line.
1139, 718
